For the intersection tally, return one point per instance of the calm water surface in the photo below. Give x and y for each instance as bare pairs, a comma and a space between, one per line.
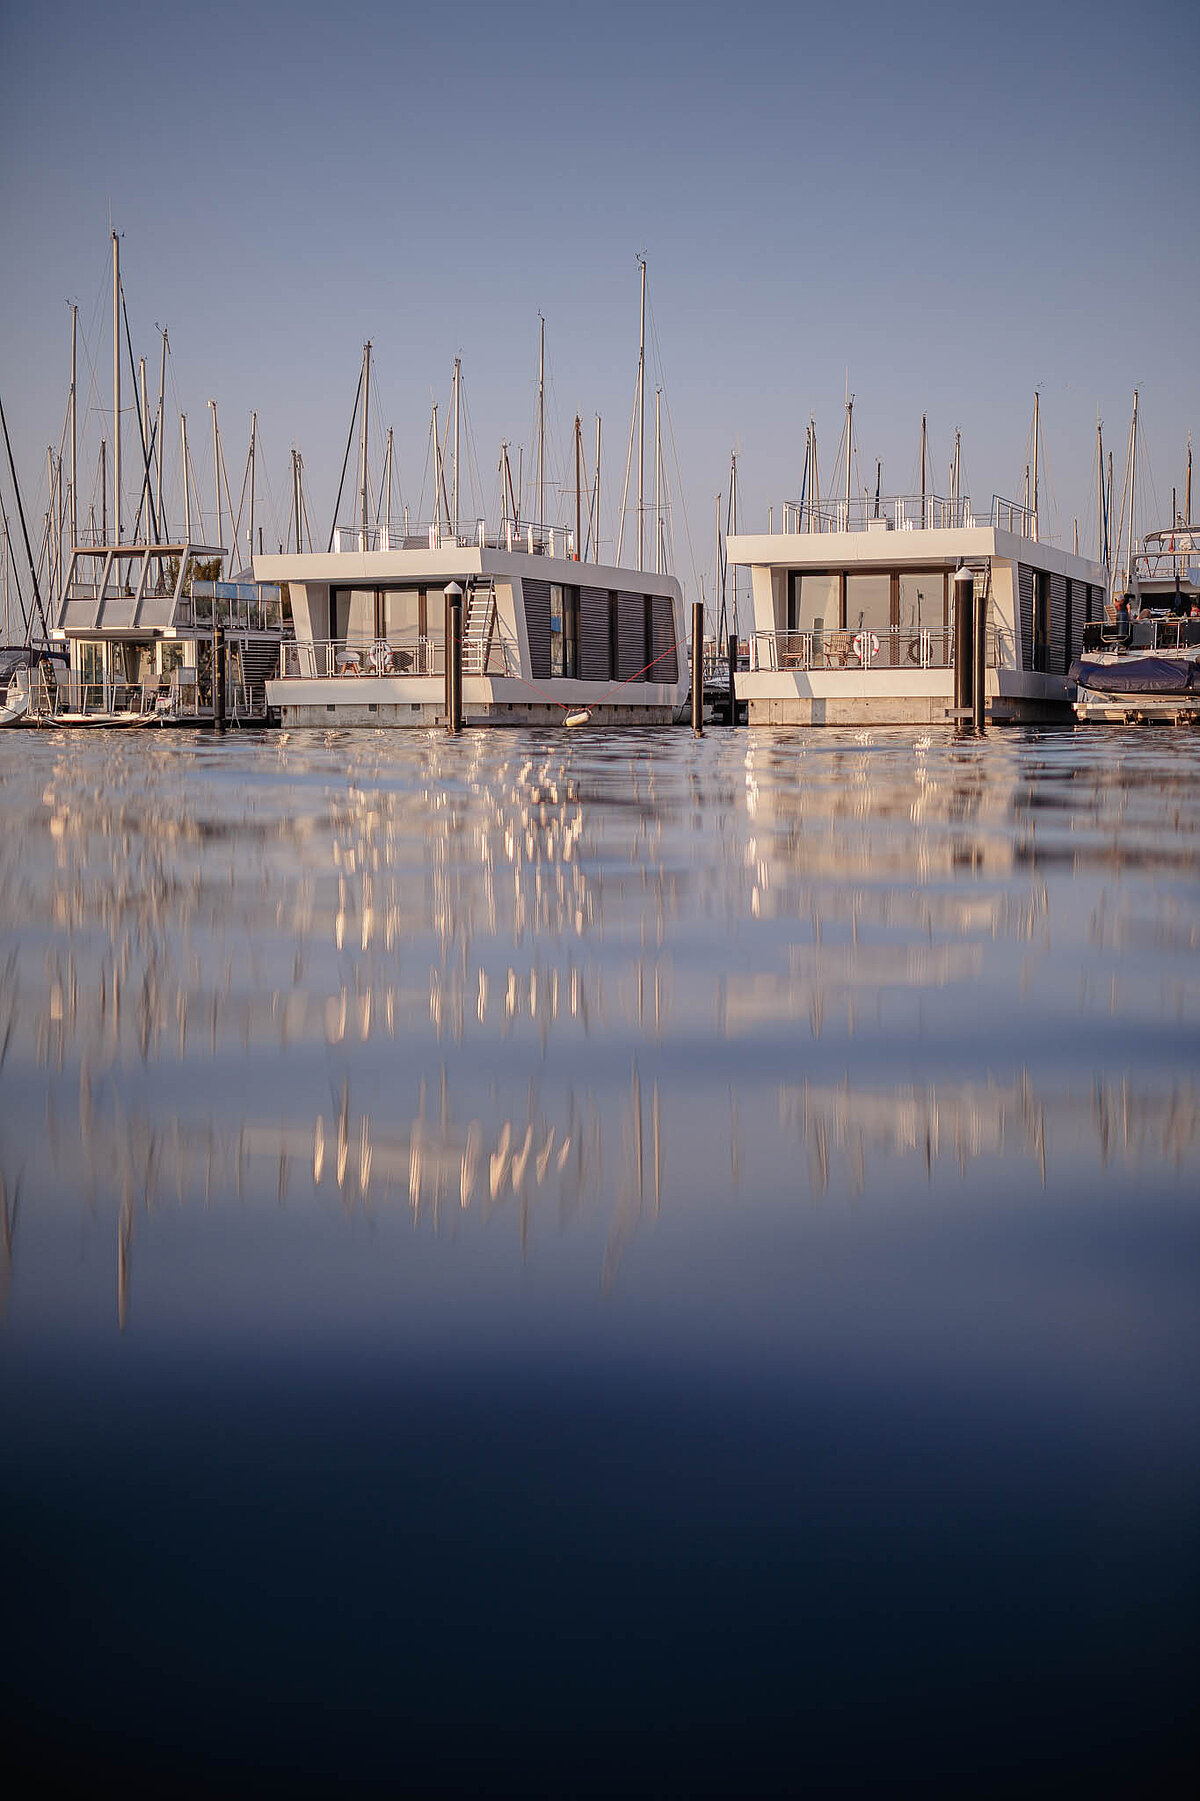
601, 1264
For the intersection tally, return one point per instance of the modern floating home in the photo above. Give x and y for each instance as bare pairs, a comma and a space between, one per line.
139, 634
853, 612
543, 634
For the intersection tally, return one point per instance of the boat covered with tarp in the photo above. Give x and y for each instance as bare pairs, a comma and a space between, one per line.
1137, 687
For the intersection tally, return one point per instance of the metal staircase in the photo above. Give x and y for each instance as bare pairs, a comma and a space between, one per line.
479, 624
258, 659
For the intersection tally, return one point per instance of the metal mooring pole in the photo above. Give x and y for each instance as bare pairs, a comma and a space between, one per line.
698, 668
979, 691
456, 654
964, 646
453, 595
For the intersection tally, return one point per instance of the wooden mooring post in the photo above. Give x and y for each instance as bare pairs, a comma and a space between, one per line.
219, 678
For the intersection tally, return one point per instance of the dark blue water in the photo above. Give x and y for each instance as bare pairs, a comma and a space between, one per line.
609, 1264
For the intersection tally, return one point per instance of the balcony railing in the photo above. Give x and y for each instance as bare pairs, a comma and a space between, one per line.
318, 659
906, 513
857, 649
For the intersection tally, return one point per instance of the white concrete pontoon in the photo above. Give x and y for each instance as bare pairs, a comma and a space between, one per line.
853, 612
544, 635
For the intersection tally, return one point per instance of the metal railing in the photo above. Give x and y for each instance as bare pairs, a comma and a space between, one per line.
1164, 634
860, 649
527, 538
164, 698
318, 659
905, 513
75, 696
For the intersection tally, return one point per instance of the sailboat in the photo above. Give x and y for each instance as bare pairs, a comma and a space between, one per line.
1147, 665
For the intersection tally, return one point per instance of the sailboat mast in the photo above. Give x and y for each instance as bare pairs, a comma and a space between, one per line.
815, 481
924, 462
363, 444
641, 389
187, 486
658, 559
145, 426
253, 451
720, 583
578, 487
162, 387
732, 515
541, 443
51, 518
440, 499
457, 422
1036, 435
1101, 556
217, 473
1187, 486
1133, 428
387, 492
116, 267
596, 505
74, 434
849, 453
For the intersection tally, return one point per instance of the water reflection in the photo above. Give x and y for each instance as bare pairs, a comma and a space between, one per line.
623, 1156
593, 978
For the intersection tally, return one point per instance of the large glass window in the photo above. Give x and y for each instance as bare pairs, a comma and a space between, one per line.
406, 622
922, 601
91, 675
869, 602
815, 601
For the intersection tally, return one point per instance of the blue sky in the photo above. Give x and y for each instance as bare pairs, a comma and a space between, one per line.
953, 206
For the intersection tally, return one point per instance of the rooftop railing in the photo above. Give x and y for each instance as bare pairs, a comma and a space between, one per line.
528, 538
906, 513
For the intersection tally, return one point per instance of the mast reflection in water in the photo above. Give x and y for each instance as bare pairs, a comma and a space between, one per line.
621, 1262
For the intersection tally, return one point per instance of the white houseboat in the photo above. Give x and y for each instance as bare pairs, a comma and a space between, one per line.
138, 630
853, 612
543, 634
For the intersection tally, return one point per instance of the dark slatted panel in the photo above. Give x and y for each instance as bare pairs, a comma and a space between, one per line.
537, 624
1025, 584
666, 668
1058, 658
593, 634
631, 634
